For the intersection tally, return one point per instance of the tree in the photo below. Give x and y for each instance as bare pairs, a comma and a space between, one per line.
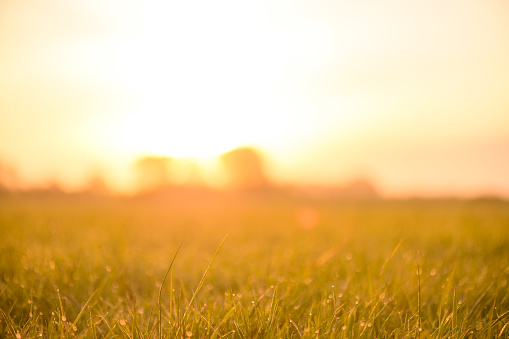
153, 172
8, 177
244, 167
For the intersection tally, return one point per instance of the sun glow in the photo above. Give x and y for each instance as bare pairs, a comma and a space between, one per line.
325, 89
185, 135
211, 83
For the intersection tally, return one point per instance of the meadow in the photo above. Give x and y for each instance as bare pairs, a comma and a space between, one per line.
276, 267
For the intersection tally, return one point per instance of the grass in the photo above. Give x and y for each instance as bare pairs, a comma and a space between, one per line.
95, 268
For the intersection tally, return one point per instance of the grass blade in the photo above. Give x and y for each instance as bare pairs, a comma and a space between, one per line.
161, 291
214, 334
202, 280
75, 322
390, 257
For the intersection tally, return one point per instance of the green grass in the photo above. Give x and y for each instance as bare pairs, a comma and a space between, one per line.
95, 268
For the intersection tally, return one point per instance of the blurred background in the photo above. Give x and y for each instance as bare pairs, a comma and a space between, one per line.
356, 98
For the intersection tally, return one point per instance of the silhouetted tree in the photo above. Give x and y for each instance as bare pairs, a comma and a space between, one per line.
8, 177
360, 188
97, 185
244, 167
153, 172
194, 174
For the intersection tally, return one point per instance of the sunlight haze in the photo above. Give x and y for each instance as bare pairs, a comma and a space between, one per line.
412, 95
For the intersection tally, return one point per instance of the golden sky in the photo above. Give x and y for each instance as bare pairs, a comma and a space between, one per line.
413, 94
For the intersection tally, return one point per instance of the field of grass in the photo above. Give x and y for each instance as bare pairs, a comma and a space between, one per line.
288, 268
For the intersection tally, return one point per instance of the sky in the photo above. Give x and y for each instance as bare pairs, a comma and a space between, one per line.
410, 94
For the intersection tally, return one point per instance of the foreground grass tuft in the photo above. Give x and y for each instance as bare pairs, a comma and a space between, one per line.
99, 269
